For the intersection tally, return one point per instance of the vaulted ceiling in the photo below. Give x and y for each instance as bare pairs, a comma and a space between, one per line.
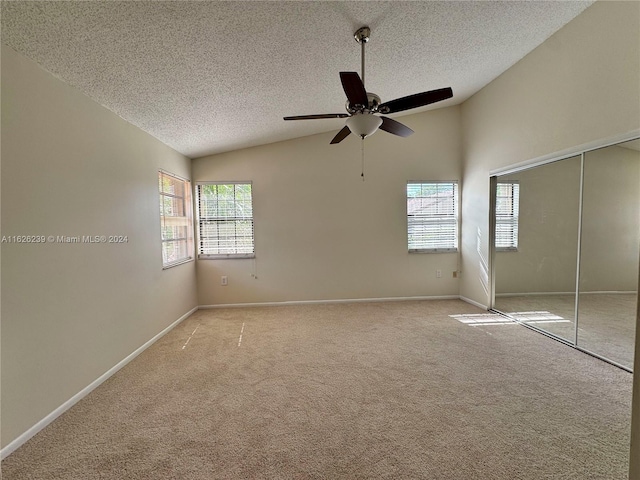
210, 76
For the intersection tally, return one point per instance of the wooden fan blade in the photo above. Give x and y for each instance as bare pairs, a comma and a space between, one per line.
397, 128
318, 116
354, 88
342, 134
415, 101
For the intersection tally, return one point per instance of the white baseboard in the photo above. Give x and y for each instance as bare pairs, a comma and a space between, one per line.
473, 302
612, 292
533, 294
341, 300
22, 439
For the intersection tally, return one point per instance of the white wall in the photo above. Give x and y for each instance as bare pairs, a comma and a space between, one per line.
323, 234
579, 86
70, 312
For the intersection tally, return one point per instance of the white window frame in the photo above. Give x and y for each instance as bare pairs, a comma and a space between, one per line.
202, 249
185, 220
442, 220
509, 219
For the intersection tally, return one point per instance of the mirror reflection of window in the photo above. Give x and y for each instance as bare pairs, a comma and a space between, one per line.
507, 207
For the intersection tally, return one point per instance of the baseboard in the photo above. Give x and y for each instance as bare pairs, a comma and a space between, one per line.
533, 294
341, 300
612, 292
22, 439
473, 302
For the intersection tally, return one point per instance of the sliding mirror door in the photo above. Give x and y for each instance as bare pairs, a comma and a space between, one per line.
536, 246
566, 249
609, 252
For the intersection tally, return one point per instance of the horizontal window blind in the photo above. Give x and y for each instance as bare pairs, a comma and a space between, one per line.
225, 220
432, 216
176, 219
507, 211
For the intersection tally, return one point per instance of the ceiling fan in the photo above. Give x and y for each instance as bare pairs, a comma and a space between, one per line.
363, 106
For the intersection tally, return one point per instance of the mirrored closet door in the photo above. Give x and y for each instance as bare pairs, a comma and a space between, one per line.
566, 246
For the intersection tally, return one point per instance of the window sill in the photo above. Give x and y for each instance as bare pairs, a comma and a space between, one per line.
230, 256
434, 250
175, 264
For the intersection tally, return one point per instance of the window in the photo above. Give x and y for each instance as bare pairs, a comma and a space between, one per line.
432, 216
507, 206
225, 220
176, 220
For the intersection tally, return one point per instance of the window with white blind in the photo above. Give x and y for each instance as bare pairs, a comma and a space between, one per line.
432, 217
176, 219
507, 206
225, 220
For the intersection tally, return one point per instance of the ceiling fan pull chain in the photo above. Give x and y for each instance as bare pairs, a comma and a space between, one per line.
362, 148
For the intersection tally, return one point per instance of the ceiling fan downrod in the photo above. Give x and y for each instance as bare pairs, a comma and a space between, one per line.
362, 37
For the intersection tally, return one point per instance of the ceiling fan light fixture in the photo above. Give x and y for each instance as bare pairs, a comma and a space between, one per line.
363, 124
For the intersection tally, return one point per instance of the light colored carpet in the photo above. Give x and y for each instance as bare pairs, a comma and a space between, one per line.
606, 322
345, 391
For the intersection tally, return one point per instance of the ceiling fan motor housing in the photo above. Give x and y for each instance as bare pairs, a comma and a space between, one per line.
373, 101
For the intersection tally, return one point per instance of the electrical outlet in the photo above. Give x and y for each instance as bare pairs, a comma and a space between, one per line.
455, 274
438, 273
223, 280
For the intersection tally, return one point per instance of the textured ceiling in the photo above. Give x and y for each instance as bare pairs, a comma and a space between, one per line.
207, 77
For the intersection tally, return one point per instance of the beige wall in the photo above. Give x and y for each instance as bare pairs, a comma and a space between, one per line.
323, 234
579, 86
70, 312
611, 204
